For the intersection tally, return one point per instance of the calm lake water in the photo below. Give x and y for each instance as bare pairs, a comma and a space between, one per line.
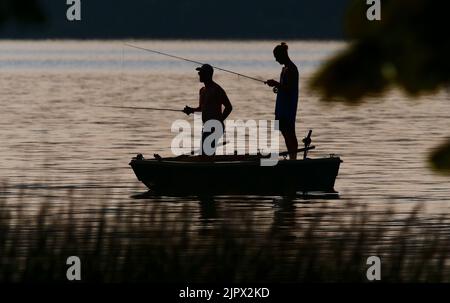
55, 142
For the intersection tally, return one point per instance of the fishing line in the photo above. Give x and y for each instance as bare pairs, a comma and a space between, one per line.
145, 108
193, 61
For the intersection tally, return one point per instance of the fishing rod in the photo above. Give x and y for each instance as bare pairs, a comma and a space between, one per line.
193, 61
145, 108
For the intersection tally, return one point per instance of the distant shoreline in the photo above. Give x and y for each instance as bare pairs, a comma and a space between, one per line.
5, 39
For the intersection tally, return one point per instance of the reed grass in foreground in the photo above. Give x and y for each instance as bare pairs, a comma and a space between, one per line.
144, 243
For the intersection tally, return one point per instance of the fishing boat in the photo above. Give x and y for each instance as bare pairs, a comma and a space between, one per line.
237, 174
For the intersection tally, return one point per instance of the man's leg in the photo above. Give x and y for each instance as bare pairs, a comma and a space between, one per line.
204, 136
211, 133
213, 145
287, 129
291, 142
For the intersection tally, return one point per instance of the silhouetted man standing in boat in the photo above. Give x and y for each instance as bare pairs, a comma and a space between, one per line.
287, 98
212, 98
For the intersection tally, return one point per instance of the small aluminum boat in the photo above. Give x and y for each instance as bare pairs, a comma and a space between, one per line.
234, 174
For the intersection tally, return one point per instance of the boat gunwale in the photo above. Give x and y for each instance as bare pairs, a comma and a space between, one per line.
257, 161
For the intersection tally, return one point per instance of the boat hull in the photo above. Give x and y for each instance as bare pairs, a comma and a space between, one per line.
176, 176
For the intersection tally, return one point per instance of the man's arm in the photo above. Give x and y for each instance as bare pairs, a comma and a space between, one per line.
189, 110
227, 106
292, 78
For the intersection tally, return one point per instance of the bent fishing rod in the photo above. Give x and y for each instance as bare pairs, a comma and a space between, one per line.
193, 61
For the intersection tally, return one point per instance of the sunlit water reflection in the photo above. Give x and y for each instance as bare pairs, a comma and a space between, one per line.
56, 143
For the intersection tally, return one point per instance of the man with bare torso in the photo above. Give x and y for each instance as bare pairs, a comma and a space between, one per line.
211, 100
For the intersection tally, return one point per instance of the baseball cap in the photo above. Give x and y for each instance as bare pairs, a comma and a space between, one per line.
206, 68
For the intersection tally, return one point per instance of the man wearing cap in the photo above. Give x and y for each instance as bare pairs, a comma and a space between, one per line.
212, 98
